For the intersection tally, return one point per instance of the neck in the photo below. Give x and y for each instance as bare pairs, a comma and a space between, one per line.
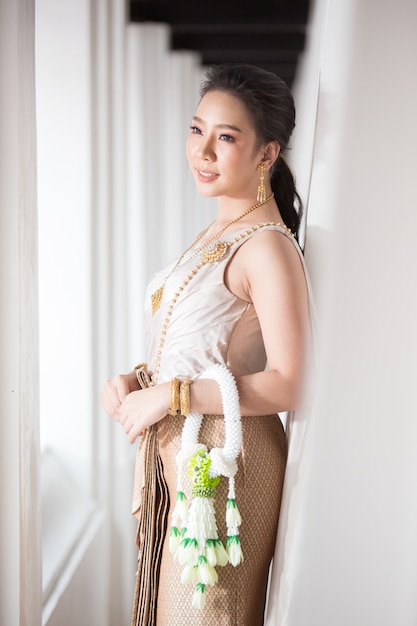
234, 208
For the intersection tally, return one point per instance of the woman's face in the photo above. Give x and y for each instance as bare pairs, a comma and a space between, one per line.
222, 148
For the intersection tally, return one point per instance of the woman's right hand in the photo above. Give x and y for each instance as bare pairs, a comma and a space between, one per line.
115, 391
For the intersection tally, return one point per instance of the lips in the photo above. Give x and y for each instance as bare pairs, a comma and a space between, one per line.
206, 176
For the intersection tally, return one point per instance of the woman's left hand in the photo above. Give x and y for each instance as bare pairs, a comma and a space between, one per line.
143, 408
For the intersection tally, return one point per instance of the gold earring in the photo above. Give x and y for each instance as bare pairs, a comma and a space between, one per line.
261, 197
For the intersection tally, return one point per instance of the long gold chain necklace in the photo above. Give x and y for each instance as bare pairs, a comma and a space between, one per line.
156, 297
205, 258
209, 246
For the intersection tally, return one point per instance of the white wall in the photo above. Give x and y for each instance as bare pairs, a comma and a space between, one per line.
352, 555
20, 563
63, 95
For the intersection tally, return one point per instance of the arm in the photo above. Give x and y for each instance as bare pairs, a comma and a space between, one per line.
279, 294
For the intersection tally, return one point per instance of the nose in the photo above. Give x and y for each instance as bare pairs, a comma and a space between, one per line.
205, 150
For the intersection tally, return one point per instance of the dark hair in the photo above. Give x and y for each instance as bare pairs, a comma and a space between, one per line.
270, 104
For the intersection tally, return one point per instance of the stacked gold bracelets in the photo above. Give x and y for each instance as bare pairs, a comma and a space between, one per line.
185, 401
180, 397
174, 403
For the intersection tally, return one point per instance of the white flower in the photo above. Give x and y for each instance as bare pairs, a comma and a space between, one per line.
215, 553
187, 552
181, 506
221, 554
206, 573
234, 550
199, 597
233, 517
211, 552
174, 539
189, 575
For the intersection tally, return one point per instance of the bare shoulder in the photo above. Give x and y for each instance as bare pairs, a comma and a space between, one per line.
269, 251
270, 242
270, 255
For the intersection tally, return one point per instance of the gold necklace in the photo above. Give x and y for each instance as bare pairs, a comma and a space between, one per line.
212, 249
204, 260
156, 297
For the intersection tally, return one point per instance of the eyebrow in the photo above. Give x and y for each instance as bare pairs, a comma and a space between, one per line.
228, 126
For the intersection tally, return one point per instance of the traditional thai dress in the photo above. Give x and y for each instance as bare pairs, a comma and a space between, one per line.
210, 325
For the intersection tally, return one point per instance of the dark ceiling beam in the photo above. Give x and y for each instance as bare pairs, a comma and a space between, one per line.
287, 58
274, 52
192, 12
232, 41
238, 28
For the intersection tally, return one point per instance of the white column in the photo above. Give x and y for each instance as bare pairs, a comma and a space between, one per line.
20, 563
350, 553
114, 343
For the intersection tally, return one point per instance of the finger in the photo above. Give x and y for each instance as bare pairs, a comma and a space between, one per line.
110, 391
127, 423
126, 407
110, 401
117, 415
133, 434
123, 413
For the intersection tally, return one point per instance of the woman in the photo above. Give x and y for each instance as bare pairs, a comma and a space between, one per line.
237, 297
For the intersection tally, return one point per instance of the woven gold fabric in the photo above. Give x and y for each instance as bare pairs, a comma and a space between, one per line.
238, 598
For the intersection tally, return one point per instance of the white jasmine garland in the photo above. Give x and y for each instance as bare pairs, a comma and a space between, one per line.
194, 539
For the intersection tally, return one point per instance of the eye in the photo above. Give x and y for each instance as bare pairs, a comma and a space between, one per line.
225, 137
195, 130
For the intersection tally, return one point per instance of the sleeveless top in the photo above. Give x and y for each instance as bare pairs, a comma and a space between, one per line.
209, 324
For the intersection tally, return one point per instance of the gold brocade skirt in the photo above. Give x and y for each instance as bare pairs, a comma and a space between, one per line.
238, 599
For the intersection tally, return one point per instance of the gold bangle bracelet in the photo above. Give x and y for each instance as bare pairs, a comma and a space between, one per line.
174, 406
185, 401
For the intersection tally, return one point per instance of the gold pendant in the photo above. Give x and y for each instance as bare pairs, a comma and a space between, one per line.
214, 252
156, 299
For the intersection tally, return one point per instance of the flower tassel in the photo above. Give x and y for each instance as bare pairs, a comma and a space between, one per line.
193, 537
197, 546
199, 597
233, 521
234, 550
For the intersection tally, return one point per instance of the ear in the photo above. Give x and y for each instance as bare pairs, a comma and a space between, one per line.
270, 152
